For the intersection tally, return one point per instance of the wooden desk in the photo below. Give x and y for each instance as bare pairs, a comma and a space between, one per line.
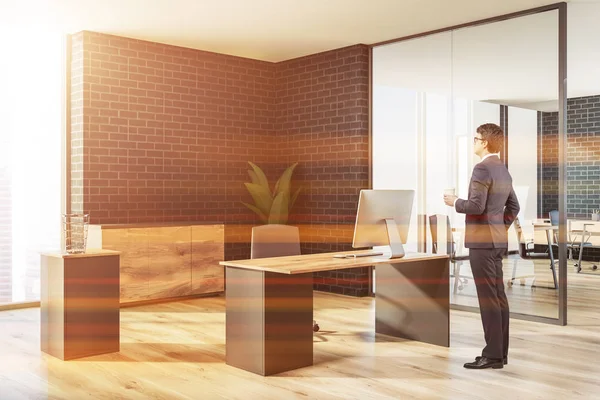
269, 305
80, 304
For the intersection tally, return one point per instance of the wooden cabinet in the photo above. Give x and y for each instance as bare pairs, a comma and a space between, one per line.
134, 269
208, 249
170, 259
164, 261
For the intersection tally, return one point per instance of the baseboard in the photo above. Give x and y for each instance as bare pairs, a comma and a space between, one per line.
36, 304
168, 299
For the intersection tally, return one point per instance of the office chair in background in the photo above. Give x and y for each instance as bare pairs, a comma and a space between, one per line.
276, 241
572, 243
526, 252
457, 260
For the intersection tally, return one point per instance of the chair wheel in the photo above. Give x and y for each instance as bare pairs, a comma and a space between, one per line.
316, 328
509, 283
594, 267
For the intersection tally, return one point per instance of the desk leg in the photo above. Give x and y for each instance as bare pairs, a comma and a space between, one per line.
268, 321
552, 261
583, 233
412, 301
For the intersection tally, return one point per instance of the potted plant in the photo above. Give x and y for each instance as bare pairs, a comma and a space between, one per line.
271, 206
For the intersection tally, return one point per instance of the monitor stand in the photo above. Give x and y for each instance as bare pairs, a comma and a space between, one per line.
394, 239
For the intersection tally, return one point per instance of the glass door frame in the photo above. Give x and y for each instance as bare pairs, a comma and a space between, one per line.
562, 148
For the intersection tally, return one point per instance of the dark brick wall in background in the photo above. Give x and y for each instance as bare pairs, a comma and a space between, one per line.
547, 164
167, 131
322, 117
78, 60
164, 133
583, 158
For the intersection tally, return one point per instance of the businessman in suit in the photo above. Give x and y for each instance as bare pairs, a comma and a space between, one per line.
490, 210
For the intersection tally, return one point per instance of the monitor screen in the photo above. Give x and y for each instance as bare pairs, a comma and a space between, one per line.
374, 207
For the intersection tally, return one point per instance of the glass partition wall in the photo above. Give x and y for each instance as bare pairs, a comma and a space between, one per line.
429, 95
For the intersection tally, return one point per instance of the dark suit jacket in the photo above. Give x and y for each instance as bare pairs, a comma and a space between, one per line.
492, 205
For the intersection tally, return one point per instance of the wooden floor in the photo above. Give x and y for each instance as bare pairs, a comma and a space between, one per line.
531, 294
177, 351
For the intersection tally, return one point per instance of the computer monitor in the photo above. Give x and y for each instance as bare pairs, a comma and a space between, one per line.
383, 219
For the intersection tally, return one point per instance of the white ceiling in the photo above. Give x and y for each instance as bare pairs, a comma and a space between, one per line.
276, 30
272, 30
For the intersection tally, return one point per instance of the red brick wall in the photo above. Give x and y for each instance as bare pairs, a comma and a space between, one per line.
79, 59
322, 116
163, 133
167, 131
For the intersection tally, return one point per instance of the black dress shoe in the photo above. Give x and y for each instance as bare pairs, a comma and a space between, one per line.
504, 360
484, 362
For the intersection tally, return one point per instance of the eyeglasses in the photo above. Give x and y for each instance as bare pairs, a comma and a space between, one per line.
476, 138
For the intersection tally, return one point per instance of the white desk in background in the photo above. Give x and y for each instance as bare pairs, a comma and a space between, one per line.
580, 234
589, 234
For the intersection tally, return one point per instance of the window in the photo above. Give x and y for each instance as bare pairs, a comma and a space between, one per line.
31, 110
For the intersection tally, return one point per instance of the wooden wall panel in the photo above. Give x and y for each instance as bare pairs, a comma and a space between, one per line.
208, 248
134, 271
170, 261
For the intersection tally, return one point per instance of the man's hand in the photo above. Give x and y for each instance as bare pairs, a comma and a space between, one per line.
449, 199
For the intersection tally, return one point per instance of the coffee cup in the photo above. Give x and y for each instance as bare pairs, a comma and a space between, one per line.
450, 192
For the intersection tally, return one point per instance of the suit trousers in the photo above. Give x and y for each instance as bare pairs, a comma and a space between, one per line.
486, 265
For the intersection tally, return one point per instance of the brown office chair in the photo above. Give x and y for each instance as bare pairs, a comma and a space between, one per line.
456, 259
276, 240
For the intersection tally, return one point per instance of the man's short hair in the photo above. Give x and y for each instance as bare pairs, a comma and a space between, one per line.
494, 135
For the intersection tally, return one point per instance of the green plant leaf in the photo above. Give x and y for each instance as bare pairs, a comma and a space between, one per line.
294, 198
284, 183
261, 196
260, 214
253, 177
260, 176
279, 209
